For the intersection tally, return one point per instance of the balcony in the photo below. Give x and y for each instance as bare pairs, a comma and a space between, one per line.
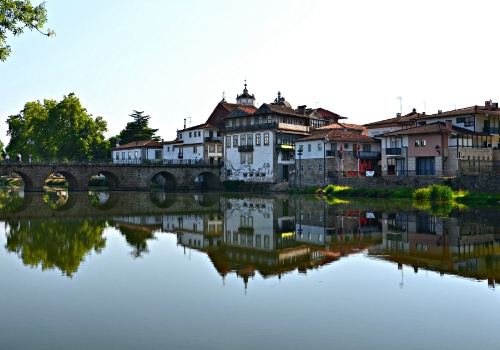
285, 146
293, 127
366, 155
331, 153
213, 139
245, 148
271, 125
393, 151
490, 130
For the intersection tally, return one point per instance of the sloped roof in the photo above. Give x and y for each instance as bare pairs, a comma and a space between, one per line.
405, 119
463, 111
328, 114
339, 135
433, 128
281, 109
199, 126
341, 126
139, 144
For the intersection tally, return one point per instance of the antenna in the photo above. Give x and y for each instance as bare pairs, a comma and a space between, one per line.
455, 107
425, 107
400, 105
189, 121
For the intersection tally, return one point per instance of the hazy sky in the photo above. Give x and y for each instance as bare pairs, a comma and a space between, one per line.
174, 59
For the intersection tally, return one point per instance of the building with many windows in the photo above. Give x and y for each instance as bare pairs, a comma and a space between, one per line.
259, 144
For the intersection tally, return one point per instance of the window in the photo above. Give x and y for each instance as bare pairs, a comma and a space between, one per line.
301, 168
219, 148
260, 120
309, 167
417, 143
319, 147
249, 139
235, 141
269, 120
211, 148
258, 241
301, 148
250, 158
242, 158
423, 142
168, 149
195, 149
257, 139
320, 168
190, 134
252, 120
136, 154
117, 155
242, 140
180, 136
158, 154
308, 147
244, 122
367, 148
228, 141
230, 123
266, 139
199, 133
266, 241
346, 146
123, 155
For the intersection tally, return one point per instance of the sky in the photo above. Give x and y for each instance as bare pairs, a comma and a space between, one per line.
175, 59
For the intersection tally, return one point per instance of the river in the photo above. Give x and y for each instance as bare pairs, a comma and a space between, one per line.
245, 271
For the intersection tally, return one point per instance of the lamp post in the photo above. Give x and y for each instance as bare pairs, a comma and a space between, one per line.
299, 153
29, 142
325, 141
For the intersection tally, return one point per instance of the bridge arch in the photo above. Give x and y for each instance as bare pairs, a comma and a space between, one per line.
165, 178
206, 180
113, 179
28, 183
70, 178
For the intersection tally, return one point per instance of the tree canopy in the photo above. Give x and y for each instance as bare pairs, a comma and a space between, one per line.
57, 131
138, 130
15, 17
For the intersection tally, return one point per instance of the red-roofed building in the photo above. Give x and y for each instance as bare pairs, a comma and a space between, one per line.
137, 152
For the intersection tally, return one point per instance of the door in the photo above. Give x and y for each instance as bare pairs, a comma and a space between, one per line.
285, 172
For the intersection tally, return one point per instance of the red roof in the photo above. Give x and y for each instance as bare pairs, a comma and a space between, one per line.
339, 135
140, 144
433, 128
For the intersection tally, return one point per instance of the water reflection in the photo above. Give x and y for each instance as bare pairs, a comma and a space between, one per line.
247, 235
54, 244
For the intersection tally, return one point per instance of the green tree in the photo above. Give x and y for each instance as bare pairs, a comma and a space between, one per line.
138, 130
57, 130
18, 15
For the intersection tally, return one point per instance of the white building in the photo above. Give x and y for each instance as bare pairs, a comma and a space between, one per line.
138, 152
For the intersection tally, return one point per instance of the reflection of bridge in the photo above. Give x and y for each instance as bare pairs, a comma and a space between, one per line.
120, 177
118, 204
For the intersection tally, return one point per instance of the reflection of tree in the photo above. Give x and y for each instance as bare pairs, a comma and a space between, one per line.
61, 244
10, 200
55, 199
137, 238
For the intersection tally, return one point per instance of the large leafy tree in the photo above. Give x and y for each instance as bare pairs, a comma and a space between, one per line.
57, 131
18, 15
138, 130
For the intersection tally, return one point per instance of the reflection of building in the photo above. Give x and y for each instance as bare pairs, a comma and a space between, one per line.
459, 246
340, 232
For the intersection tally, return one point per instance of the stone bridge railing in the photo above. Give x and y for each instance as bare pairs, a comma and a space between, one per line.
121, 177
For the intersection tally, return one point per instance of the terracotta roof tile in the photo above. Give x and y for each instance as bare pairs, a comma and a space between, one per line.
433, 128
282, 110
136, 144
341, 126
339, 135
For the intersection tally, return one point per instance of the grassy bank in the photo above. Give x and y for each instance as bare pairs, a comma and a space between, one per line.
430, 193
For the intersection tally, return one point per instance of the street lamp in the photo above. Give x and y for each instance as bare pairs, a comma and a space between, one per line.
299, 153
29, 142
325, 141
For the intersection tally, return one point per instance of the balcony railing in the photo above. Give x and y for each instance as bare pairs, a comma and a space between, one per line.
245, 148
213, 139
393, 151
490, 130
252, 127
365, 155
331, 153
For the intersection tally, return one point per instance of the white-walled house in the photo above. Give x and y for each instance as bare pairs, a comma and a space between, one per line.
138, 152
259, 145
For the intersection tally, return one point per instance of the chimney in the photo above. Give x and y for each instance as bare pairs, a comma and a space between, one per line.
414, 110
184, 123
117, 142
494, 105
398, 115
487, 104
440, 111
449, 125
301, 110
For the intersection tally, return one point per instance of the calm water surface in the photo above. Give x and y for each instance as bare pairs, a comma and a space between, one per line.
209, 271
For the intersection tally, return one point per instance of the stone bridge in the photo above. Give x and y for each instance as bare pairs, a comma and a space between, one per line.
121, 177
